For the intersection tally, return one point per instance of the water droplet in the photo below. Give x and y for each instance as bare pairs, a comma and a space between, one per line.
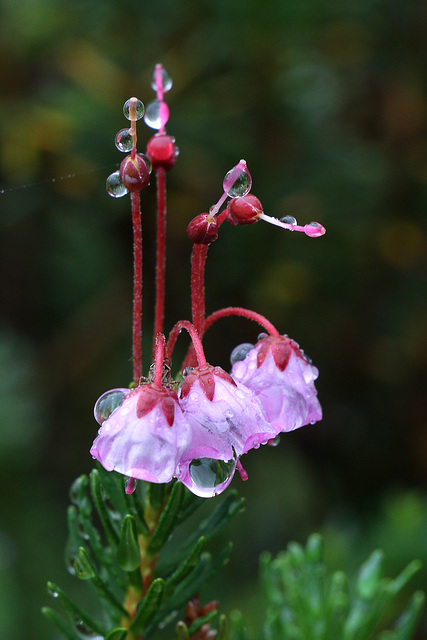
289, 220
209, 475
130, 485
237, 182
314, 229
229, 414
240, 352
81, 566
124, 140
75, 489
261, 336
186, 371
115, 186
274, 441
157, 114
139, 107
107, 403
165, 79
84, 631
70, 554
52, 591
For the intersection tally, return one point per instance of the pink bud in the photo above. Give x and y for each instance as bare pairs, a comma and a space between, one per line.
135, 173
161, 151
244, 210
203, 229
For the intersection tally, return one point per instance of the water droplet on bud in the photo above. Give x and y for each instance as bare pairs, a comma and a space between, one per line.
139, 109
107, 403
124, 140
289, 220
240, 352
274, 441
261, 336
186, 371
157, 114
314, 229
238, 181
115, 186
209, 476
165, 79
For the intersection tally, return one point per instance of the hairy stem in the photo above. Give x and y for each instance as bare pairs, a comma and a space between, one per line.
161, 253
137, 287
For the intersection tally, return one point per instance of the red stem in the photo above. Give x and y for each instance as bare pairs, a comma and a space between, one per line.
245, 313
161, 253
137, 287
159, 355
194, 335
198, 286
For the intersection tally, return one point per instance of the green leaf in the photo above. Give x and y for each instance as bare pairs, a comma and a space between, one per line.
181, 631
168, 519
403, 578
112, 483
67, 631
199, 622
95, 487
187, 565
83, 567
119, 633
370, 575
75, 609
149, 606
156, 495
408, 621
102, 588
128, 551
223, 629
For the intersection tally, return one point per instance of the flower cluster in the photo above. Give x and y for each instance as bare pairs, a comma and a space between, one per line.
196, 429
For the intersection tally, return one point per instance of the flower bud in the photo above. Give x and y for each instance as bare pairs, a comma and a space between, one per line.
162, 151
244, 210
135, 173
203, 229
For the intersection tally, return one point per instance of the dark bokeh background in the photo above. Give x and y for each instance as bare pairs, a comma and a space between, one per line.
327, 102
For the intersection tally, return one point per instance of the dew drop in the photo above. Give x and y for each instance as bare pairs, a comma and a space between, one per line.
237, 183
130, 485
157, 114
314, 229
124, 140
51, 591
186, 371
107, 403
209, 475
261, 336
289, 220
240, 352
165, 79
139, 107
115, 186
274, 441
84, 631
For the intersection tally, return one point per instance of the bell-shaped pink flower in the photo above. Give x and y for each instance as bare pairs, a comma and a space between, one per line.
226, 420
283, 381
145, 436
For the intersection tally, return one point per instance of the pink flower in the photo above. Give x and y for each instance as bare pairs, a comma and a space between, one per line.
283, 380
145, 436
226, 420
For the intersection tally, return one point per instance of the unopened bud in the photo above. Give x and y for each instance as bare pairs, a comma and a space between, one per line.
203, 229
162, 151
244, 210
135, 172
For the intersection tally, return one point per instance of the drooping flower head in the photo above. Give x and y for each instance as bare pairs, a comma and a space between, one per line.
226, 421
282, 379
145, 436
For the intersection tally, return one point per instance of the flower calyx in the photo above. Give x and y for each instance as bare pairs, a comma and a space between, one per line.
150, 396
205, 376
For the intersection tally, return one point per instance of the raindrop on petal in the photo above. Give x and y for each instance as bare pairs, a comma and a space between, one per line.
240, 352
209, 475
274, 441
139, 109
115, 186
107, 403
157, 114
124, 140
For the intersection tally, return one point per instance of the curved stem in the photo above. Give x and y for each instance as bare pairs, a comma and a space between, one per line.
194, 335
137, 287
160, 253
245, 313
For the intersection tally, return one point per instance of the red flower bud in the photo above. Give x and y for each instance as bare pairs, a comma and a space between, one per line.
161, 151
135, 173
244, 210
203, 229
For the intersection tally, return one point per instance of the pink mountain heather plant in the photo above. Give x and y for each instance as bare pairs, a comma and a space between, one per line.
198, 433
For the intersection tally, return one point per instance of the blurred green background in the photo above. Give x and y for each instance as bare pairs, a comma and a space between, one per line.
326, 100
